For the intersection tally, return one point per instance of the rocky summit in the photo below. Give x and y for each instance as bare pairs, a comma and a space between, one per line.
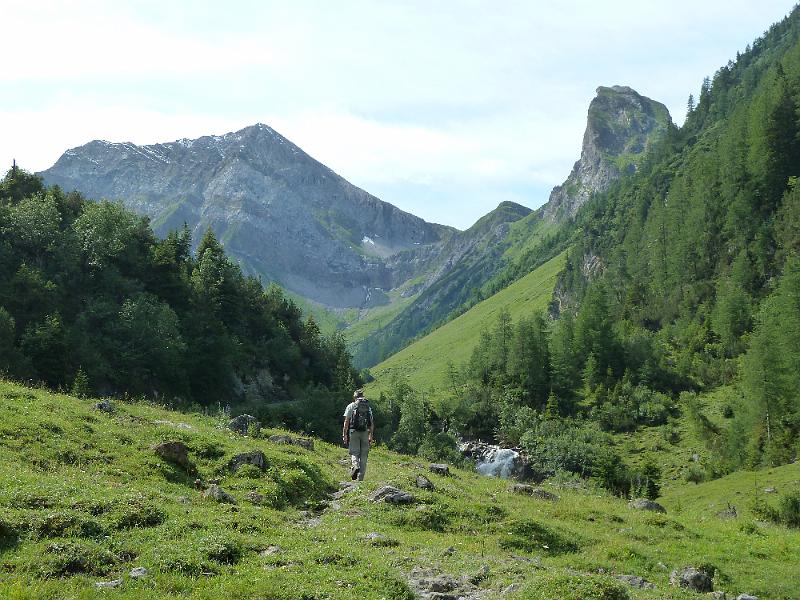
283, 215
621, 126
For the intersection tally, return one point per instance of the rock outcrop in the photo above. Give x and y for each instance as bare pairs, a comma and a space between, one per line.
621, 127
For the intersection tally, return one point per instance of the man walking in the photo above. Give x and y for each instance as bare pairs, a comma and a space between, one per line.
357, 433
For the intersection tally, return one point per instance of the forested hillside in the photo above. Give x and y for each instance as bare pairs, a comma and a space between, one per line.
91, 301
681, 278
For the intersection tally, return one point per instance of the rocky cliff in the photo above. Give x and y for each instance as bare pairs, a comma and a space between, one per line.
620, 128
280, 213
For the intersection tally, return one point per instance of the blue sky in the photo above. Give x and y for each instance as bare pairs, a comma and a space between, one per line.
442, 108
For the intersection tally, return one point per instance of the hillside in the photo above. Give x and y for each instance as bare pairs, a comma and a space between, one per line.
424, 364
90, 501
283, 215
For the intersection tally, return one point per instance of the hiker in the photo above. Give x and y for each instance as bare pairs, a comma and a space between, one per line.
357, 431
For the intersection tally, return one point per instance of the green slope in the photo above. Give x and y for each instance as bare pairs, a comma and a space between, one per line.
424, 363
84, 499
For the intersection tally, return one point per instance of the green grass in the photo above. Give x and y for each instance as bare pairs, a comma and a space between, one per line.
424, 363
84, 499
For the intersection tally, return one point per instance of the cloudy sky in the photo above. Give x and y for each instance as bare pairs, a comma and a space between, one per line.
442, 108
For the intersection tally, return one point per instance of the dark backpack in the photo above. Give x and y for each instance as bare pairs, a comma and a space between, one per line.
362, 416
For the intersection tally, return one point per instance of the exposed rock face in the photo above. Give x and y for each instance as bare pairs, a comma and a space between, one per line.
621, 126
282, 214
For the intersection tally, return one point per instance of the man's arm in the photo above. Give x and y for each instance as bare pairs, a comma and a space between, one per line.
371, 426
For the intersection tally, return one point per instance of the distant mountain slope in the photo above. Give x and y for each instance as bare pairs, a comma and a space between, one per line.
508, 243
284, 215
423, 364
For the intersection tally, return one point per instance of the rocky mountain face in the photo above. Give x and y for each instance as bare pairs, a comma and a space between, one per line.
280, 213
621, 126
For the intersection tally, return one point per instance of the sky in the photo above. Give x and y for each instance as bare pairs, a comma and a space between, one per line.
445, 109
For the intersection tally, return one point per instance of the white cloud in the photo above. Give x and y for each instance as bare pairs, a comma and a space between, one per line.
474, 101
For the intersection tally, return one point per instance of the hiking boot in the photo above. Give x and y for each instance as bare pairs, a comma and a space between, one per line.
354, 473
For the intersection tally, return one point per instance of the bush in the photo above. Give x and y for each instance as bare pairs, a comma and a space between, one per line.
574, 587
222, 550
249, 472
71, 558
531, 536
441, 447
789, 510
136, 512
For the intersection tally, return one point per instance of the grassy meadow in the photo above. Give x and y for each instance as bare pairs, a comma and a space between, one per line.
84, 499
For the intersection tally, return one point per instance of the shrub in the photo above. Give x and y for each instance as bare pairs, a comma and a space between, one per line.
136, 512
249, 472
574, 587
71, 558
531, 536
789, 510
425, 517
222, 550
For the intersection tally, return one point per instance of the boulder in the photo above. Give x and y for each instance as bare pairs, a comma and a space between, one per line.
645, 504
439, 469
138, 573
693, 579
217, 493
391, 495
105, 406
173, 452
292, 441
255, 458
243, 423
640, 583
424, 483
529, 490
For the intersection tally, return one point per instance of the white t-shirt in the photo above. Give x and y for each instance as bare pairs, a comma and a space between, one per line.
351, 408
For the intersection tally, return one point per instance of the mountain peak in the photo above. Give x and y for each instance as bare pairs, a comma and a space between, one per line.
621, 125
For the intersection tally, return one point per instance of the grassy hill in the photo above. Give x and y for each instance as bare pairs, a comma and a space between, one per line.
424, 363
85, 500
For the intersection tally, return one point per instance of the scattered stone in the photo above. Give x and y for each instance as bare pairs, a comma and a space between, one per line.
105, 585
345, 488
138, 573
255, 458
439, 469
770, 490
392, 495
182, 500
429, 584
645, 504
217, 493
449, 551
292, 441
529, 490
693, 579
717, 595
424, 483
635, 581
105, 406
255, 497
746, 597
173, 452
198, 484
512, 589
171, 424
728, 513
271, 551
243, 423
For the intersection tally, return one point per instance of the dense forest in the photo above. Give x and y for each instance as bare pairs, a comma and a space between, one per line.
680, 279
92, 302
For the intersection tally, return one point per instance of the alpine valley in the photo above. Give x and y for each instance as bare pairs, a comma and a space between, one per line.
182, 324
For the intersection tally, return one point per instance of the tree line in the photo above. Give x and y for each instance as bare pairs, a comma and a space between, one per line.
92, 301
